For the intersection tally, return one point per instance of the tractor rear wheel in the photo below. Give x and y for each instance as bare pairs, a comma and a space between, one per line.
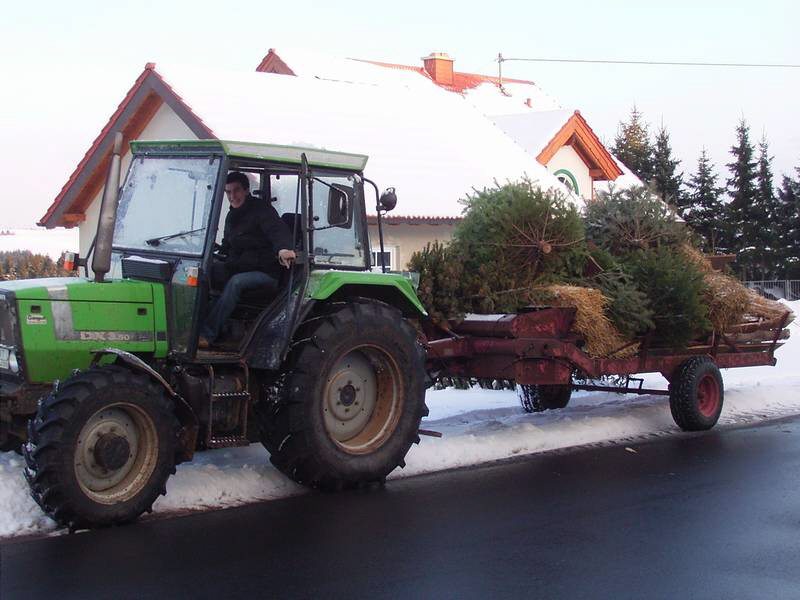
101, 447
349, 404
538, 398
696, 394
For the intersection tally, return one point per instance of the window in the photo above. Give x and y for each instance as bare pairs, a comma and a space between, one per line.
389, 256
336, 246
568, 179
165, 204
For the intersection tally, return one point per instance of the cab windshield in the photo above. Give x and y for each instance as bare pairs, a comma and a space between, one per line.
165, 204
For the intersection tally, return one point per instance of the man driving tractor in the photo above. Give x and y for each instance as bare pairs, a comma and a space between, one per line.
256, 244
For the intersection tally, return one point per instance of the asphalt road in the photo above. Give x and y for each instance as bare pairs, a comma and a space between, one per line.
715, 515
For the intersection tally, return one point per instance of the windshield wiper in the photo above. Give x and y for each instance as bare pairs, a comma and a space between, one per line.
157, 240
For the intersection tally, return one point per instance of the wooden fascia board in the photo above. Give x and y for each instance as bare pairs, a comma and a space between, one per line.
83, 179
71, 219
559, 139
88, 158
130, 131
576, 132
600, 155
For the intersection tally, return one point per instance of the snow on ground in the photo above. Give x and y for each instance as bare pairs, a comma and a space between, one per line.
478, 426
52, 242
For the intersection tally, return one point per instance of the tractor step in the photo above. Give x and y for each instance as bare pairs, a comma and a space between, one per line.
228, 441
233, 406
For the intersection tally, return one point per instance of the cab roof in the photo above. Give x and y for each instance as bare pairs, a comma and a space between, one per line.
317, 157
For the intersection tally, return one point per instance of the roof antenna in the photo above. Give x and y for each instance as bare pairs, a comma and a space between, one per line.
500, 61
500, 68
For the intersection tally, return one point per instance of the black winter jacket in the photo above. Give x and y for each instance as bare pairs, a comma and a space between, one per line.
253, 235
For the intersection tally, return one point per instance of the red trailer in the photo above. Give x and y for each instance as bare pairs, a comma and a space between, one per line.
539, 352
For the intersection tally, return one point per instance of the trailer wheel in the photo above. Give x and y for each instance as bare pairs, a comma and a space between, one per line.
538, 398
696, 394
349, 404
101, 447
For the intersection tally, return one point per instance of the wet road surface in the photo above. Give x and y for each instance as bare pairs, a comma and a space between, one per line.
715, 515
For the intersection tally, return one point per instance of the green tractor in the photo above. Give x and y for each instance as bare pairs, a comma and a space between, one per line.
103, 385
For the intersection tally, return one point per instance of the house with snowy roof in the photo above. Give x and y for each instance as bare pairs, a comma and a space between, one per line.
428, 143
560, 140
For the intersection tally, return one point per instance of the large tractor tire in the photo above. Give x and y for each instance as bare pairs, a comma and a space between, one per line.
101, 447
349, 404
696, 394
538, 398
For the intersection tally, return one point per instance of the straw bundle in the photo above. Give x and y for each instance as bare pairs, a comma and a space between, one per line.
602, 338
729, 302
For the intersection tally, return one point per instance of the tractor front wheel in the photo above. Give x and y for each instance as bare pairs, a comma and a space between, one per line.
101, 447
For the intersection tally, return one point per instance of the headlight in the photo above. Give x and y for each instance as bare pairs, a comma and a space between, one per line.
13, 363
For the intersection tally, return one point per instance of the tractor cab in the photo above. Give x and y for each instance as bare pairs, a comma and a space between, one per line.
170, 224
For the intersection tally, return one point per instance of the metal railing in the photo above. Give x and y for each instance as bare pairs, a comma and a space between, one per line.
775, 289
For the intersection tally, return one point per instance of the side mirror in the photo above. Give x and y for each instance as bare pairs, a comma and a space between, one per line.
388, 200
340, 206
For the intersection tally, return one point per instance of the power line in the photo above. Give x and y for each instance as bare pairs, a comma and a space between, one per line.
501, 59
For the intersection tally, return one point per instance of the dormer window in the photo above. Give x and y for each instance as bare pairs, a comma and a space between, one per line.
568, 179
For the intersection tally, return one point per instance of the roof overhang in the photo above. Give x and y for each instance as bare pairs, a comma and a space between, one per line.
577, 134
140, 104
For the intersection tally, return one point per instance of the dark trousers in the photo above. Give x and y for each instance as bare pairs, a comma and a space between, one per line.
221, 309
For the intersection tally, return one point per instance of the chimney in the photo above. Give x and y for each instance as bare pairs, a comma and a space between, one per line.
440, 67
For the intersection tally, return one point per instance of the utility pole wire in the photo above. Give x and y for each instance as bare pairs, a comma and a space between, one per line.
501, 59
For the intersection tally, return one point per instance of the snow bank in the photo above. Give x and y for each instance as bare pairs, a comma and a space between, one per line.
478, 426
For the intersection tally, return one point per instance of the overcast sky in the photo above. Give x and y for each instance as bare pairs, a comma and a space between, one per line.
67, 65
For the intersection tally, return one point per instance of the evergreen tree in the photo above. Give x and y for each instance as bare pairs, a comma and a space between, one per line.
666, 182
788, 222
24, 264
764, 212
740, 229
704, 210
632, 146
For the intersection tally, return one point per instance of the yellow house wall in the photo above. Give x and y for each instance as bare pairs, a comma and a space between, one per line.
407, 238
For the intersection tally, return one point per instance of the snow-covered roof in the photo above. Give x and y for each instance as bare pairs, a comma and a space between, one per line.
306, 63
428, 143
512, 99
533, 130
627, 180
482, 91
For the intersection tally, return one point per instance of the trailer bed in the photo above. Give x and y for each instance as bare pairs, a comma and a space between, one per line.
538, 348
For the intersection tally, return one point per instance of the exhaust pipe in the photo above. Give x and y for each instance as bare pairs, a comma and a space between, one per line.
101, 262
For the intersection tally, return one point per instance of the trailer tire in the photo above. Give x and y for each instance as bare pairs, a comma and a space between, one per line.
538, 398
348, 407
101, 447
696, 394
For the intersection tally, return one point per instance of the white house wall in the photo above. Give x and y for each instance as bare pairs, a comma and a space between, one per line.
567, 158
407, 238
165, 125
